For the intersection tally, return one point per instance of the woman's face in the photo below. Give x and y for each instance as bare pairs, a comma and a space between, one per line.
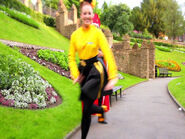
87, 15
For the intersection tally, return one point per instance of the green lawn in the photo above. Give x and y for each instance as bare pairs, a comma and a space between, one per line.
129, 80
11, 29
177, 88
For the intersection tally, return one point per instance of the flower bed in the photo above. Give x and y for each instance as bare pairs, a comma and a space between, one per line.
168, 64
55, 57
32, 53
22, 87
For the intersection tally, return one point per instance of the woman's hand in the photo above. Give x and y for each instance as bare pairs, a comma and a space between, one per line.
110, 84
79, 79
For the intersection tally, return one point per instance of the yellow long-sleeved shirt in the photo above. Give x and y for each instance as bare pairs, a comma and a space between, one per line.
87, 42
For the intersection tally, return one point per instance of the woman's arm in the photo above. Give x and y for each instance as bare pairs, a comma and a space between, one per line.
109, 58
72, 61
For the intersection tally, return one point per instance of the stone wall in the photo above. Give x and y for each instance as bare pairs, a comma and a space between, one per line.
66, 21
134, 60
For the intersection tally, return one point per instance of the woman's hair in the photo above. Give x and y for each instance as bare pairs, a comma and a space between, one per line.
85, 3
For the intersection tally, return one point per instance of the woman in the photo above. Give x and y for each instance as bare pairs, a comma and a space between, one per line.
86, 41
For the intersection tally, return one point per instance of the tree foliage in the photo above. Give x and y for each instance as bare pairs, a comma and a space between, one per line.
116, 17
154, 10
54, 3
174, 20
138, 19
158, 16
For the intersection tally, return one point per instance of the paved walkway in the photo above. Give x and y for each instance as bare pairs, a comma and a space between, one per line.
145, 112
24, 45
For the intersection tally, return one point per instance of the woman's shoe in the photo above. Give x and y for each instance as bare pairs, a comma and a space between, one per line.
101, 117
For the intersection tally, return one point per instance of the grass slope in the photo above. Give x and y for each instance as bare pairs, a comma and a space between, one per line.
177, 88
52, 123
129, 80
11, 29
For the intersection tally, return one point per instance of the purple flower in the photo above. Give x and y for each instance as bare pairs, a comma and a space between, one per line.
33, 106
2, 100
1, 95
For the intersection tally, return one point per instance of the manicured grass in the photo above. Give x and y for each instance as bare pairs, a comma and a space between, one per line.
52, 123
11, 29
177, 88
175, 56
129, 80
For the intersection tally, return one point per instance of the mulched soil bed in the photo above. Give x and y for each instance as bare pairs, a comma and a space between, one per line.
32, 53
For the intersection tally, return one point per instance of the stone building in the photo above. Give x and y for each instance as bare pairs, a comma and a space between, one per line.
66, 21
38, 6
134, 60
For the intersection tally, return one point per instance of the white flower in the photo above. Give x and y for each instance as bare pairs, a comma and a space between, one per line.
54, 93
52, 100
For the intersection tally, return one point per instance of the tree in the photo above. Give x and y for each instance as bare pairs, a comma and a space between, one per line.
153, 10
138, 19
174, 20
54, 3
116, 17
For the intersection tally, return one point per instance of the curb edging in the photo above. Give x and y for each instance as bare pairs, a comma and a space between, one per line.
70, 134
176, 102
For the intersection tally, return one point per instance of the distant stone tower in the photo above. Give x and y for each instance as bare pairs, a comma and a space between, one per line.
39, 6
66, 22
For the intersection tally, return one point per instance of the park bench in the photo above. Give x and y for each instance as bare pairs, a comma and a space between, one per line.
163, 72
116, 90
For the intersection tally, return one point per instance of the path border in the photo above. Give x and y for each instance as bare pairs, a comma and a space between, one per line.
175, 100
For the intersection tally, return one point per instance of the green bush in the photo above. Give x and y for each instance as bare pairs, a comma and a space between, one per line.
59, 58
117, 37
20, 17
140, 35
163, 44
165, 49
15, 4
49, 21
136, 40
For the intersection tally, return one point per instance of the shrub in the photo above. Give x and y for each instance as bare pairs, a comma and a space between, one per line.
117, 37
15, 4
168, 64
136, 40
163, 44
140, 35
58, 58
20, 17
165, 49
49, 21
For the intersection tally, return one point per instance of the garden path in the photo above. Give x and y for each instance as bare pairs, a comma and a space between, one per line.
146, 111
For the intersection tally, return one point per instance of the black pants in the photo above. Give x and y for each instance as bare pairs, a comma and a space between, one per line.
89, 108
